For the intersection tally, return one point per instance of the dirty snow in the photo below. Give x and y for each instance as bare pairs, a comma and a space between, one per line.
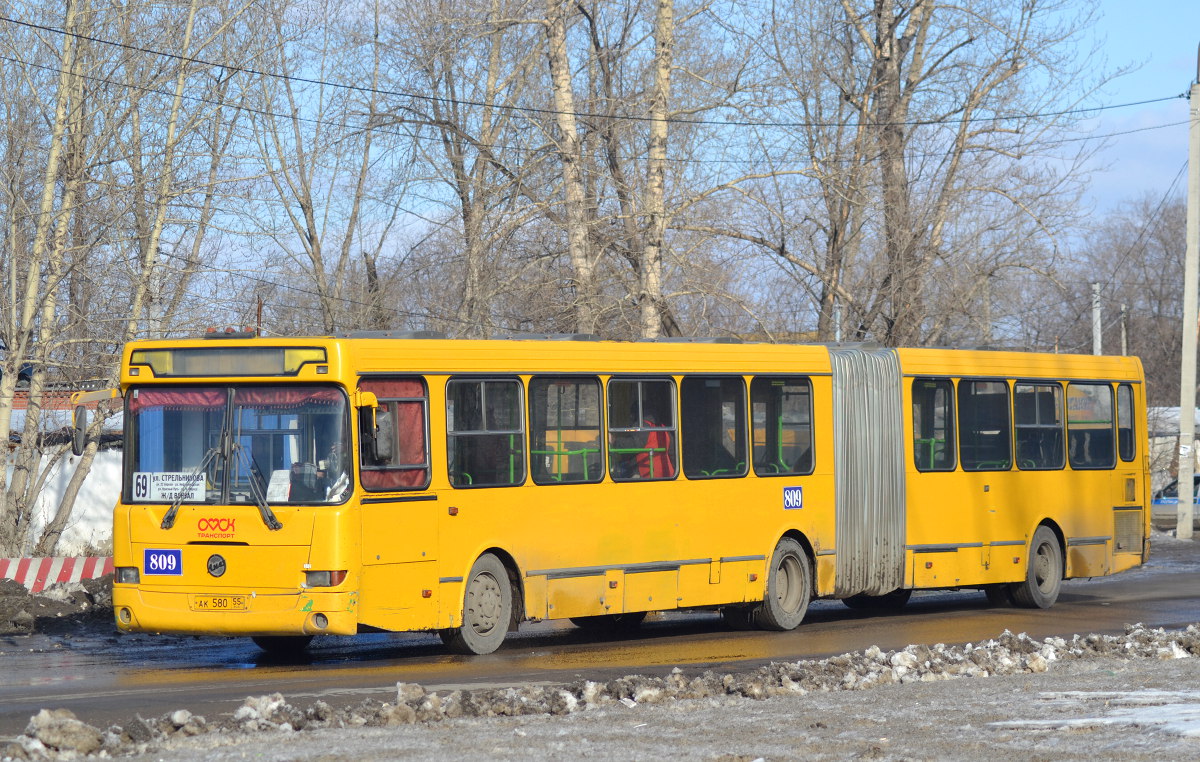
1127, 696
1010, 692
1176, 712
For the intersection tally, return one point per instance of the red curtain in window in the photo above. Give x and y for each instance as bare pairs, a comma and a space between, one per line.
177, 399
286, 396
410, 431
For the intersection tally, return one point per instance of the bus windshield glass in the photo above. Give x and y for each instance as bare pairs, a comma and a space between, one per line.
237, 444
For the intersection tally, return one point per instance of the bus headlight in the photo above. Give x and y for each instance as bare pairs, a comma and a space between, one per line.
127, 575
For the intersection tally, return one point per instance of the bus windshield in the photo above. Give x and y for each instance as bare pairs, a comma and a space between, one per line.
224, 444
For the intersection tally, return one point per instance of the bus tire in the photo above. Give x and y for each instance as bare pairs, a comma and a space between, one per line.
627, 622
789, 588
283, 645
888, 603
1044, 573
487, 609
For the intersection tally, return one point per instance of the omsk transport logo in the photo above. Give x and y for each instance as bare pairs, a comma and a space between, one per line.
216, 528
793, 498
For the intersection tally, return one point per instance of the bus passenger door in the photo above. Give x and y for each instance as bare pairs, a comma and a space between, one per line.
399, 514
1129, 485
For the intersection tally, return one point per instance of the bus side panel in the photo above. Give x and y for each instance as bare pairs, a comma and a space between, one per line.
580, 596
1087, 561
399, 596
400, 586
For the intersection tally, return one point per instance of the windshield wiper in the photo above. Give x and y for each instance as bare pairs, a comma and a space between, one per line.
169, 519
256, 491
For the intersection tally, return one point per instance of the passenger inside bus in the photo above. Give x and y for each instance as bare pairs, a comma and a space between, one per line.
654, 462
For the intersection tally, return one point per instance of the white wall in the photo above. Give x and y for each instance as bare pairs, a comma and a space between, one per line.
90, 526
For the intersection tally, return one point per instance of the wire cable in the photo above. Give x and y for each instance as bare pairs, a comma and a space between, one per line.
553, 112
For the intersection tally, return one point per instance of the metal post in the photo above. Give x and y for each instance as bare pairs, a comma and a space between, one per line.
1187, 371
1096, 330
1124, 330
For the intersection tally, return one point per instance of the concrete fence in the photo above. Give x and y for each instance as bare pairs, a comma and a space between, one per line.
37, 574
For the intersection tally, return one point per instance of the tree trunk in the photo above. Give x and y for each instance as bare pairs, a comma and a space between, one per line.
583, 275
650, 298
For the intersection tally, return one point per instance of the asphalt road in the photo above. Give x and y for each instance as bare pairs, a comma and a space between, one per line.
106, 678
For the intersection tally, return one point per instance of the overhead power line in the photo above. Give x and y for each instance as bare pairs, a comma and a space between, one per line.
415, 135
554, 112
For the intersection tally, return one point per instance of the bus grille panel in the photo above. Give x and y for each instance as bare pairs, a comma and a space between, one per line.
1127, 531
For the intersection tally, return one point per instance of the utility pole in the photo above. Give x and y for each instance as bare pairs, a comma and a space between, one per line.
1187, 371
1124, 330
1097, 348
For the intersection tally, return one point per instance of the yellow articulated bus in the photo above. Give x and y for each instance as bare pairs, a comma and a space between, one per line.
286, 488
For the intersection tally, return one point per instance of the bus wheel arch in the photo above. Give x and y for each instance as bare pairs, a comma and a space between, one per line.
789, 588
1045, 569
491, 594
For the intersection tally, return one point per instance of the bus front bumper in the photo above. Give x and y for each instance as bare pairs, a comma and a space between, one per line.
197, 612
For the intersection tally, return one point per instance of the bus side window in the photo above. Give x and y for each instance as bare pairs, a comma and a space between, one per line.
565, 436
713, 427
485, 432
1038, 410
1090, 426
641, 429
781, 412
401, 458
984, 430
1126, 443
933, 424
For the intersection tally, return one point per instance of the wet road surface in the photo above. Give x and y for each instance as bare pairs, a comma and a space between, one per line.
105, 678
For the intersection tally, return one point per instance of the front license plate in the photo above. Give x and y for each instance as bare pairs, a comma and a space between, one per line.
220, 603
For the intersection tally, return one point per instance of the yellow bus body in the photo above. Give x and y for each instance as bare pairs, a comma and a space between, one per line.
591, 549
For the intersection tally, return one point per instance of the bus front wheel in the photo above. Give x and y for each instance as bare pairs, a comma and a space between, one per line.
1043, 577
789, 588
487, 609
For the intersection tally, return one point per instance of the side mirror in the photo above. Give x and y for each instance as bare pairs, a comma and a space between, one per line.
378, 428
384, 434
79, 427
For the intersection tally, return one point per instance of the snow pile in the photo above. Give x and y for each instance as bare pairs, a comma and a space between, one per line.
1176, 712
1008, 654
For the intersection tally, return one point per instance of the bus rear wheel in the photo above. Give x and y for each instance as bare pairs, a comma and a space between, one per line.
282, 645
789, 588
1043, 576
487, 609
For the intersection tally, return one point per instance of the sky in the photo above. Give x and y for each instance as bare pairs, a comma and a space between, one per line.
1159, 39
